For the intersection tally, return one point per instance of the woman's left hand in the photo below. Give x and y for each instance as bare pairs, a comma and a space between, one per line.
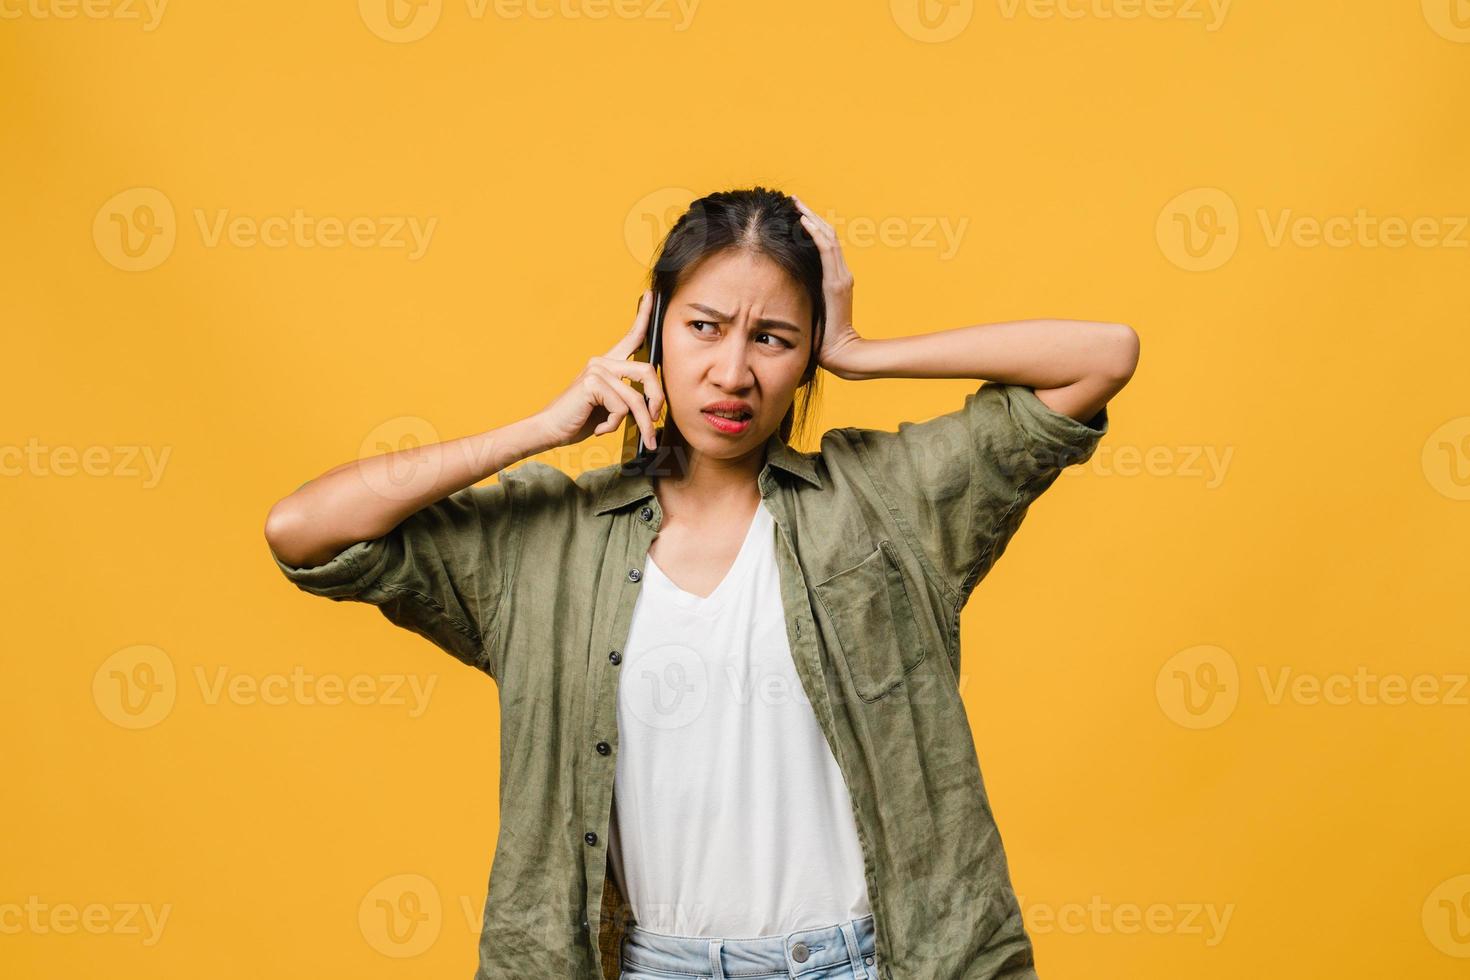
840, 341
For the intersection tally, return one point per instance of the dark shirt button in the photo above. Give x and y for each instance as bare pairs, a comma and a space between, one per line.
603, 748
590, 837
646, 513
586, 925
634, 575
615, 657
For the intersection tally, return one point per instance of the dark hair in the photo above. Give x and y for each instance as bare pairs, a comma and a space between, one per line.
759, 220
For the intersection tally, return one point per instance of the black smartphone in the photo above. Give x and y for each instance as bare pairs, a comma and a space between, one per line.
635, 453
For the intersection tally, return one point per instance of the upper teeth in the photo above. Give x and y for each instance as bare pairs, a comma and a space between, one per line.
726, 414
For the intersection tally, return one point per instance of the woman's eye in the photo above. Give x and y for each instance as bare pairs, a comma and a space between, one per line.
779, 342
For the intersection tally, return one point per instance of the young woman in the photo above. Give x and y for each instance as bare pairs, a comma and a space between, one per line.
784, 782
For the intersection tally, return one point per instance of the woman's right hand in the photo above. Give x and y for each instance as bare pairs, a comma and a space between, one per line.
598, 399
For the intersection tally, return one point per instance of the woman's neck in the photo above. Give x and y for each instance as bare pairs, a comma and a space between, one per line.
693, 487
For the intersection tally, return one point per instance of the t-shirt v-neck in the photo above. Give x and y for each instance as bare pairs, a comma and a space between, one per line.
760, 523
730, 815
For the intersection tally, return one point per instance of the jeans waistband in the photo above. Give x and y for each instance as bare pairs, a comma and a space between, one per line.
794, 954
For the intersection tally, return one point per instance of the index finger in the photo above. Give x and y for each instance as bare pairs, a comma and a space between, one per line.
815, 218
633, 339
834, 266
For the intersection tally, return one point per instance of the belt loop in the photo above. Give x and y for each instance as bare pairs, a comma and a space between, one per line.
854, 951
716, 970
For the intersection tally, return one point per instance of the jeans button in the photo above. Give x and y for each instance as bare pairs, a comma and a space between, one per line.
799, 952
868, 960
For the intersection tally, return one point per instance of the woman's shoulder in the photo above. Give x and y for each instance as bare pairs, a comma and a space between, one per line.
540, 484
534, 479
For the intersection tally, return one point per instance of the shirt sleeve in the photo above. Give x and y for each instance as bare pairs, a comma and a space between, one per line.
960, 484
440, 573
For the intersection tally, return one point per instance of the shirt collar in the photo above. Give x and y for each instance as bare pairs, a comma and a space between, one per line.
626, 485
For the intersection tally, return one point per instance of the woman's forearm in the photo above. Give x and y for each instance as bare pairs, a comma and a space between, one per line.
1074, 365
366, 498
1038, 353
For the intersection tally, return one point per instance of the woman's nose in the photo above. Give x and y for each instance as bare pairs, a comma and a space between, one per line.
732, 363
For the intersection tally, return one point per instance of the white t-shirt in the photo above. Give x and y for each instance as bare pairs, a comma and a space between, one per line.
730, 816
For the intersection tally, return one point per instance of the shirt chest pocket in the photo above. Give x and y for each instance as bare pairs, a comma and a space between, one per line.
873, 618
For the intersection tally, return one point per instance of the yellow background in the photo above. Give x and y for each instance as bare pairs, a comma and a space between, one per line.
1139, 752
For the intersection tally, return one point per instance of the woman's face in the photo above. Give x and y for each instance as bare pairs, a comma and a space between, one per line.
737, 330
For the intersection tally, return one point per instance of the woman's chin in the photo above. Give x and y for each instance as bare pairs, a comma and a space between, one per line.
718, 439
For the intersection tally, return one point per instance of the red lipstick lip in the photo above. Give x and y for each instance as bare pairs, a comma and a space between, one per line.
730, 405
727, 426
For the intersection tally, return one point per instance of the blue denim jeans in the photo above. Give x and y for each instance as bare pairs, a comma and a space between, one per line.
838, 952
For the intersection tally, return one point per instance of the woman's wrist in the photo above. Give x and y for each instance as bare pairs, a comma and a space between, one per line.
497, 449
534, 435
862, 359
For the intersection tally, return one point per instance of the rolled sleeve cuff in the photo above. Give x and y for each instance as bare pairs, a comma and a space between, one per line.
347, 576
1054, 438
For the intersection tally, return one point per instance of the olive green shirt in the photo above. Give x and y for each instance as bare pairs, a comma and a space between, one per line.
880, 538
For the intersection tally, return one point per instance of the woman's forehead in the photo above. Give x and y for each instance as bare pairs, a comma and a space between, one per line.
730, 282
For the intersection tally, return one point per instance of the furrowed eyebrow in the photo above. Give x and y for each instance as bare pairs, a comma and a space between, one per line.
764, 323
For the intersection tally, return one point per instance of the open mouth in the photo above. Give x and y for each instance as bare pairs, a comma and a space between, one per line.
729, 422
